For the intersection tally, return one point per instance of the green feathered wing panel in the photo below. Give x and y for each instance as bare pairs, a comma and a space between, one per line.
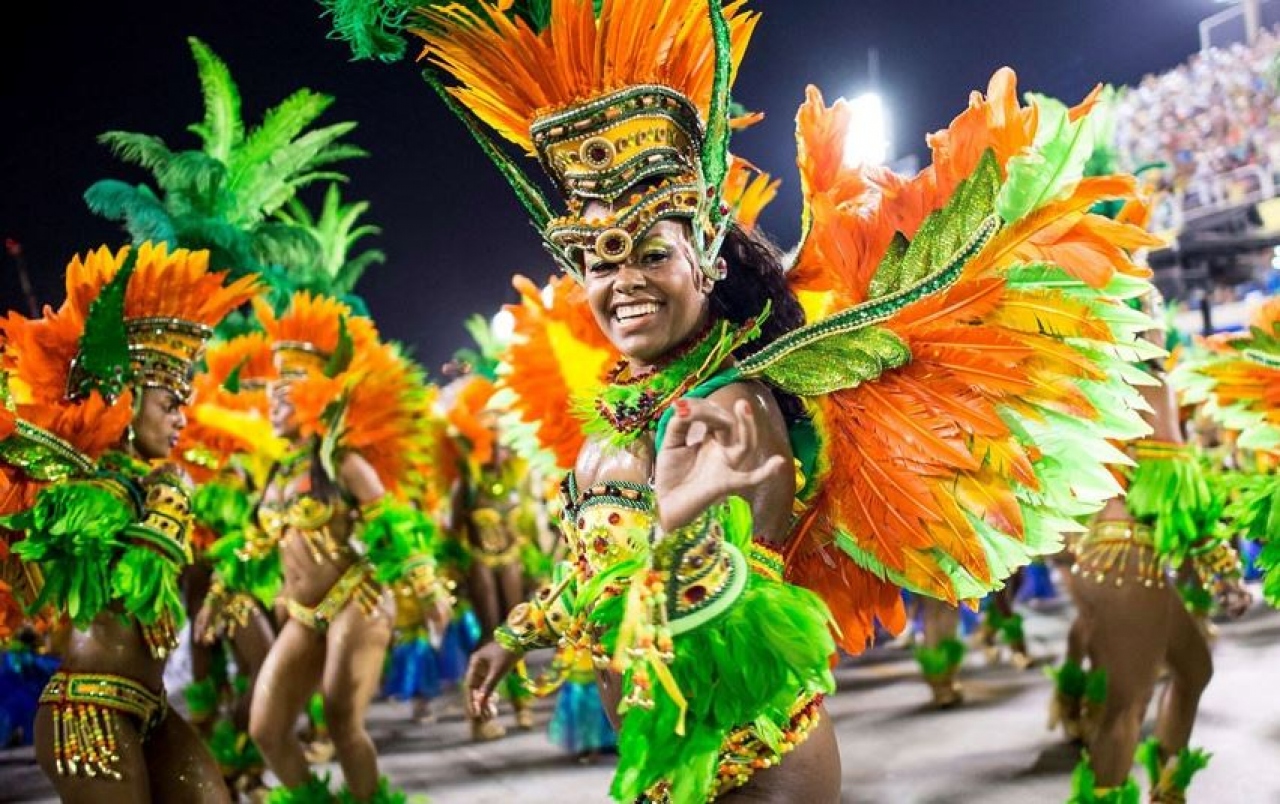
241, 559
78, 533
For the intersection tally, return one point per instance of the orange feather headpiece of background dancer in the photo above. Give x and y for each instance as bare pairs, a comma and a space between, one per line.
347, 385
73, 371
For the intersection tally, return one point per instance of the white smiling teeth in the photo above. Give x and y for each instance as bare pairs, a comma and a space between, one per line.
627, 311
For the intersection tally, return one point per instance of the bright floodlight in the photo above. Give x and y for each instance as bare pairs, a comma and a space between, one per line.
867, 141
503, 326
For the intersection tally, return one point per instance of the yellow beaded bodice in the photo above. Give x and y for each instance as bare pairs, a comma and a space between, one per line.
306, 517
604, 524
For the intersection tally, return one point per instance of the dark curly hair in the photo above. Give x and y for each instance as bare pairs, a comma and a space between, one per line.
756, 277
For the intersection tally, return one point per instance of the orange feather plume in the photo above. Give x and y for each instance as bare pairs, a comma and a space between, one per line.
310, 318
383, 394
249, 358
748, 190
556, 355
38, 354
466, 403
180, 285
511, 74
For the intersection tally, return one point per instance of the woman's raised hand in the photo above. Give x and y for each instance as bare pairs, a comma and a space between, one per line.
708, 454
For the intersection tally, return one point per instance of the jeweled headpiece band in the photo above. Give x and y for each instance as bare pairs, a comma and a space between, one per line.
612, 96
603, 148
163, 352
296, 359
612, 238
619, 143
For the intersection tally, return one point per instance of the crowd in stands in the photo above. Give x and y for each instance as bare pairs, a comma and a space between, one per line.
1213, 123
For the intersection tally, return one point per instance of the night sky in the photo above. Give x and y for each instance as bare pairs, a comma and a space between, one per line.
452, 231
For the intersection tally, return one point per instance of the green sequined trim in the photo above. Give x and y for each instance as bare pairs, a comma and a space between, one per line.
42, 455
716, 604
871, 312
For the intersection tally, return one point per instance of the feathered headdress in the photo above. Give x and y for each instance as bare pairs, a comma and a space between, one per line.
349, 388
465, 402
624, 101
132, 319
313, 344
149, 322
229, 414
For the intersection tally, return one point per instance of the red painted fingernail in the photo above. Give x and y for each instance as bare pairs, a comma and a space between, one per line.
682, 407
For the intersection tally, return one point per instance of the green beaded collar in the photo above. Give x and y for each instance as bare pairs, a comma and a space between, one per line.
631, 404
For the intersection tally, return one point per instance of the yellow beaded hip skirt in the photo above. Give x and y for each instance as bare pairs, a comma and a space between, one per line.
1120, 552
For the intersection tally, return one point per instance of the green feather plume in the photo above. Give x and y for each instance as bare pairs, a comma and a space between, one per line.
102, 362
73, 533
395, 535
1053, 166
941, 659
314, 791
1084, 791
201, 697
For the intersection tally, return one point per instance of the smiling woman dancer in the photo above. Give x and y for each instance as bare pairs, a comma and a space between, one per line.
99, 387
944, 423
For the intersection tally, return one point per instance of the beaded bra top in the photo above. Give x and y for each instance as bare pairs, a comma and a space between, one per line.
613, 522
299, 513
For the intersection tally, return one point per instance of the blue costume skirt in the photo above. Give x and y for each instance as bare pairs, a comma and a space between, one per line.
579, 723
412, 671
23, 674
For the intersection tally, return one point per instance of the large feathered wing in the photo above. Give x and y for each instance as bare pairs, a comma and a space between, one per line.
966, 367
1237, 380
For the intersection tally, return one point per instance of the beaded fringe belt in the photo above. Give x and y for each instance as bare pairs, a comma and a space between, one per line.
85, 742
1102, 555
357, 584
234, 614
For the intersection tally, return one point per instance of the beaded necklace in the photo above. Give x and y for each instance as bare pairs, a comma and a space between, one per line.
631, 403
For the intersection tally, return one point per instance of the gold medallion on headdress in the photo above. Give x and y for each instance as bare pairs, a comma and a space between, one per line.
627, 106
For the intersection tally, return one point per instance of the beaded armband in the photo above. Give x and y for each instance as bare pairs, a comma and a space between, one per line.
1219, 561
421, 579
537, 622
696, 573
703, 572
766, 561
166, 520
